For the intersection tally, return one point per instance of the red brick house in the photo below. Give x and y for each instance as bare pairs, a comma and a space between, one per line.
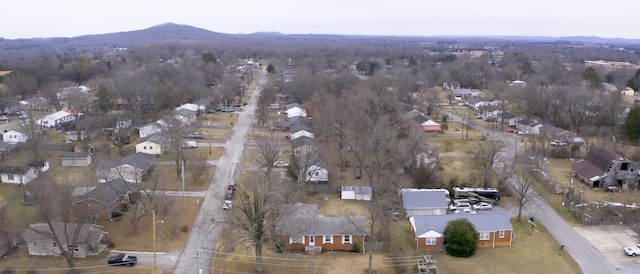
493, 230
300, 227
103, 200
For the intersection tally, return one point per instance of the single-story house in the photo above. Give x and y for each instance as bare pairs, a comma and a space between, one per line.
295, 110
605, 168
150, 129
15, 136
34, 103
84, 238
22, 174
556, 133
300, 129
75, 159
427, 124
300, 227
153, 145
8, 241
628, 92
195, 108
103, 200
54, 119
187, 117
303, 145
428, 230
359, 193
314, 168
131, 168
424, 201
406, 111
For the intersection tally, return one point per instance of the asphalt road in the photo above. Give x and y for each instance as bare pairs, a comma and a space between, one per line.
197, 257
590, 260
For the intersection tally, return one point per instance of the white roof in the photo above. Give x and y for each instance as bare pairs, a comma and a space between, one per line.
57, 115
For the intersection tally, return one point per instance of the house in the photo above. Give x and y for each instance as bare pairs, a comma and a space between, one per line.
69, 92
34, 103
300, 129
424, 201
150, 129
56, 118
75, 135
427, 124
103, 200
153, 145
314, 168
195, 108
605, 168
304, 144
7, 149
609, 87
428, 230
86, 242
75, 159
15, 136
185, 116
629, 92
22, 174
131, 168
300, 227
8, 241
295, 110
358, 193
407, 112
556, 133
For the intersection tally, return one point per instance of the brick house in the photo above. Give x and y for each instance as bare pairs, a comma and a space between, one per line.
103, 200
428, 230
300, 227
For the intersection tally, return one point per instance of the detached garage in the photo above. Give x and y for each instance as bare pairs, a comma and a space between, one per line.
76, 159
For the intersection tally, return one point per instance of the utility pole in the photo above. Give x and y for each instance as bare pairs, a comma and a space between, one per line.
155, 260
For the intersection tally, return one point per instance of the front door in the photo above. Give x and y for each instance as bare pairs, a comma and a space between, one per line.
312, 240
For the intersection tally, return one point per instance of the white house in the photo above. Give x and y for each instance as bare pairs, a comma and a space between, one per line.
14, 137
185, 116
295, 110
152, 145
150, 129
22, 174
192, 107
300, 129
52, 120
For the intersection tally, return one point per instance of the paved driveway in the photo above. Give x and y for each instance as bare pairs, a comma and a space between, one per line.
609, 240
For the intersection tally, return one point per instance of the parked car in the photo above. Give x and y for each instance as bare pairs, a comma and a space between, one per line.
228, 195
189, 143
558, 143
24, 116
280, 164
482, 206
228, 204
123, 259
459, 205
464, 211
632, 250
4, 118
196, 135
231, 186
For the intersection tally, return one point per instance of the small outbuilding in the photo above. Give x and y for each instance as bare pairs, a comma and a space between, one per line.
76, 159
359, 193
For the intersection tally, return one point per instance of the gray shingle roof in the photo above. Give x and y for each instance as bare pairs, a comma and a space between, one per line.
139, 160
424, 199
302, 141
108, 192
482, 222
553, 131
88, 233
14, 169
303, 219
299, 126
156, 138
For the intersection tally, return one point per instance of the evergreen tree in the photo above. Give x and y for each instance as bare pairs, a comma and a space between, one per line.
631, 126
461, 238
103, 100
591, 76
271, 69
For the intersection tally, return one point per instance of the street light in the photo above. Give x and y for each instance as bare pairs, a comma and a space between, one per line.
155, 260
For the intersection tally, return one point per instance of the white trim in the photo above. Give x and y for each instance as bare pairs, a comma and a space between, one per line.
297, 240
431, 241
324, 239
501, 234
350, 241
485, 236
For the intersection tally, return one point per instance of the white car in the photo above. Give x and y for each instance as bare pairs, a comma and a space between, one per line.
482, 206
465, 211
227, 205
460, 205
280, 164
632, 250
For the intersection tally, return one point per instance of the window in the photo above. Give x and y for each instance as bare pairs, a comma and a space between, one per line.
55, 244
150, 147
346, 239
10, 177
484, 236
431, 241
145, 147
35, 172
296, 240
328, 239
501, 234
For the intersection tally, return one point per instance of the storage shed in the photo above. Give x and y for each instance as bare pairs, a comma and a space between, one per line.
360, 193
76, 159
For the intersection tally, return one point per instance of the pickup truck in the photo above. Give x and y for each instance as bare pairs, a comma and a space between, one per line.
632, 250
123, 259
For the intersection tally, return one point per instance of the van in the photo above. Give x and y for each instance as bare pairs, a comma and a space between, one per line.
228, 195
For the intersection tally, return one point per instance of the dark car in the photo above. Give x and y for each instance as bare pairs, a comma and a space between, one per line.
195, 136
228, 195
123, 259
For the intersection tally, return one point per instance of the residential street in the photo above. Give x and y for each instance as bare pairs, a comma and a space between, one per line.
590, 260
198, 254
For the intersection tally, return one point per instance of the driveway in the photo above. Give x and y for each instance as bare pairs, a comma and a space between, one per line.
609, 240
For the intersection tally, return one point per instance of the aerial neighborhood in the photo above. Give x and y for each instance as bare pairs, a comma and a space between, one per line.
374, 155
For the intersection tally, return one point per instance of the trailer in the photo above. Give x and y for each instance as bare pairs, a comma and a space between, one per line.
477, 194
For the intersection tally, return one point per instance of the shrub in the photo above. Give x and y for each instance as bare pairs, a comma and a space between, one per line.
461, 238
355, 248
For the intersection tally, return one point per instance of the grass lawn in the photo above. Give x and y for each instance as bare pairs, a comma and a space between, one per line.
168, 180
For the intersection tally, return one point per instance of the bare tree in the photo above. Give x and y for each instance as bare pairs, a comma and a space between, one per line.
197, 166
269, 149
522, 186
174, 133
485, 157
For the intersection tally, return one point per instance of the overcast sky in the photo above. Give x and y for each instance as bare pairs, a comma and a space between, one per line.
69, 18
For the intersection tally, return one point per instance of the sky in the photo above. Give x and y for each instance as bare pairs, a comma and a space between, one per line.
70, 18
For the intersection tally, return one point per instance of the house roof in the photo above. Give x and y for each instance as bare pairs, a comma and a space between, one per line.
525, 122
423, 199
474, 100
108, 192
156, 138
74, 155
301, 219
6, 146
306, 160
596, 164
420, 119
293, 105
302, 141
14, 169
553, 131
105, 165
462, 91
57, 115
88, 233
482, 222
139, 160
299, 126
